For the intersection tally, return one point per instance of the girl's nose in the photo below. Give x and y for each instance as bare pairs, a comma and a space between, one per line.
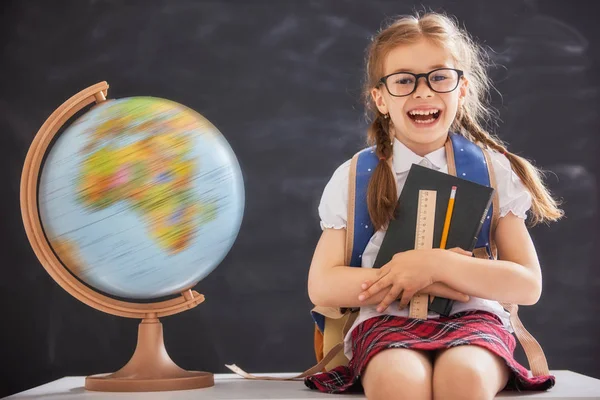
423, 89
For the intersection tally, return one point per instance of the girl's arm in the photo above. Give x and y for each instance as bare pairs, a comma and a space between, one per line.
514, 278
332, 284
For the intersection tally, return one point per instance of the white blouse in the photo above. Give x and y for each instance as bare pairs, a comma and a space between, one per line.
512, 197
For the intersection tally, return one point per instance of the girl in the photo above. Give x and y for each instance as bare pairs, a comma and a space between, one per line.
426, 77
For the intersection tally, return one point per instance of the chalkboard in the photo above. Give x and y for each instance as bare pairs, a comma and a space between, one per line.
282, 81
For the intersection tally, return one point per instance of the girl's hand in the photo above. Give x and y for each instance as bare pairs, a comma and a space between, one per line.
410, 273
437, 289
407, 272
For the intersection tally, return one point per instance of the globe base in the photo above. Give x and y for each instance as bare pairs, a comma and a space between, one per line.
150, 368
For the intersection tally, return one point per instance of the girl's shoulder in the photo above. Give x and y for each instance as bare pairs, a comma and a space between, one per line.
333, 207
513, 196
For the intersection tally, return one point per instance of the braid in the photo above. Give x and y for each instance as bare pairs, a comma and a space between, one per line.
382, 138
382, 192
544, 208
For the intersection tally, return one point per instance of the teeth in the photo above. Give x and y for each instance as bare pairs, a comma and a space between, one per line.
427, 121
423, 112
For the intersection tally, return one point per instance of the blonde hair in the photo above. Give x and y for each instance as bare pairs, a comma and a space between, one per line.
469, 121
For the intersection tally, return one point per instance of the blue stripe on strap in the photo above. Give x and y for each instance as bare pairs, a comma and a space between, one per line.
363, 228
471, 165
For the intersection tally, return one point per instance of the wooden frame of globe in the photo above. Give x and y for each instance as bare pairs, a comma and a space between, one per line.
150, 368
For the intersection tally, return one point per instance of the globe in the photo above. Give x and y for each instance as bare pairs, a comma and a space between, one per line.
141, 197
128, 207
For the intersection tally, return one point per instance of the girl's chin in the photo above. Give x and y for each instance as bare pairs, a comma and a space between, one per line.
422, 137
427, 136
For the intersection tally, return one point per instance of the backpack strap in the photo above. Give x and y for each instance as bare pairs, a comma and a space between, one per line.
468, 161
361, 168
320, 367
470, 168
533, 351
359, 227
326, 343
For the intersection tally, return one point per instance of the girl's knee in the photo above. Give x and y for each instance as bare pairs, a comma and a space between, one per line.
468, 373
398, 385
398, 376
462, 382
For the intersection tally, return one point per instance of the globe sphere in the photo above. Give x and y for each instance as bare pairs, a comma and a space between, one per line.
140, 197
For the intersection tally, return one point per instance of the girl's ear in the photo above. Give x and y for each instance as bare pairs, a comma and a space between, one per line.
463, 90
379, 100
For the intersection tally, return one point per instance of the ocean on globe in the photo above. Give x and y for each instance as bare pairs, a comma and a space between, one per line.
141, 197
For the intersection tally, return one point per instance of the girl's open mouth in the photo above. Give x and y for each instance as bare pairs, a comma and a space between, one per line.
424, 117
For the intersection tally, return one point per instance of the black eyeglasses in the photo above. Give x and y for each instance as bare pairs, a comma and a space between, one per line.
441, 80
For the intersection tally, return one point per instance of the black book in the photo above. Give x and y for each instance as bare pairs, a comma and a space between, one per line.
471, 205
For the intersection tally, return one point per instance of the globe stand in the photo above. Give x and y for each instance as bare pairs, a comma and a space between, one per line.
150, 368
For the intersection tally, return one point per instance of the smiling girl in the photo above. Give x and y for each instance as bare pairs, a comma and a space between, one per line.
425, 80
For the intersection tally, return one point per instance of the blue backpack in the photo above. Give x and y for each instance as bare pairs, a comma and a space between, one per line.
465, 160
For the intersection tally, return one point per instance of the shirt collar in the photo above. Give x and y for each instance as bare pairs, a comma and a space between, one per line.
403, 157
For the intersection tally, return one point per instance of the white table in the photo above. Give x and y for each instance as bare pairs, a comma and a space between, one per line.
569, 385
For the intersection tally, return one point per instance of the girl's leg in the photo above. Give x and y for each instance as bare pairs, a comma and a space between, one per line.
468, 372
398, 374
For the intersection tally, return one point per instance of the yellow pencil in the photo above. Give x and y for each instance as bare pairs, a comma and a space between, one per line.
448, 218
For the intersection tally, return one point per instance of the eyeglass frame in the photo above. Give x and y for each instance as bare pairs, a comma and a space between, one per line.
383, 80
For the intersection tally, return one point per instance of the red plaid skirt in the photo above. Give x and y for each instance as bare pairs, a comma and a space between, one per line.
477, 328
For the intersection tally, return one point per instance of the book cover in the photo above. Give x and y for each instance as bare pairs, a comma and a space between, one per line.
472, 202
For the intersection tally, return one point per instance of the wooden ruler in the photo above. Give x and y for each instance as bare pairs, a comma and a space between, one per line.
423, 240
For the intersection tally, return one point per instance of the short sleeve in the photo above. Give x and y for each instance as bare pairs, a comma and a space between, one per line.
513, 196
333, 208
